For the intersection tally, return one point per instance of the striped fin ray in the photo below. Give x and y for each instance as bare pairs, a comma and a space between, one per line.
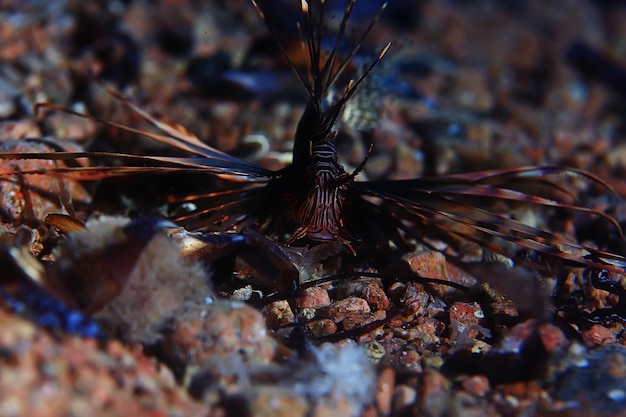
417, 205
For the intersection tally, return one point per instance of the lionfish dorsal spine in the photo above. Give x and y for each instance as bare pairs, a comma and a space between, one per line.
323, 74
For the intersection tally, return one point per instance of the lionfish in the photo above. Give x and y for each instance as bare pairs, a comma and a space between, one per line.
314, 199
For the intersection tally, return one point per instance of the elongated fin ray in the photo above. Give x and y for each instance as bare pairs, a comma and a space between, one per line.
436, 202
187, 143
176, 164
303, 81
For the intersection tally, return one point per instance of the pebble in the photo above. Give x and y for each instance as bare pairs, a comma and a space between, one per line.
424, 333
385, 391
434, 392
370, 290
324, 327
598, 335
313, 297
375, 296
416, 299
404, 396
274, 401
477, 385
278, 313
351, 306
513, 341
552, 337
464, 320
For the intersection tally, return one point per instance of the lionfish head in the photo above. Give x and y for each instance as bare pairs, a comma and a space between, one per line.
324, 69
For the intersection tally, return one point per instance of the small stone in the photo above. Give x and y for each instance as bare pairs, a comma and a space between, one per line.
278, 313
410, 359
429, 264
404, 396
598, 335
504, 308
335, 408
425, 333
552, 337
477, 385
274, 401
12, 130
416, 299
314, 297
324, 327
375, 295
434, 391
350, 306
385, 391
371, 290
396, 291
19, 200
465, 319
355, 321
432, 264
68, 127
47, 376
514, 340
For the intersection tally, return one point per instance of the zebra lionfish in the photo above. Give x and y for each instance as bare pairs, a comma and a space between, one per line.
316, 199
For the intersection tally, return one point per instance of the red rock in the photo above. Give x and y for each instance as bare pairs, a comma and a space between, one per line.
370, 289
428, 264
432, 264
516, 337
385, 391
551, 337
354, 321
464, 319
314, 297
522, 390
598, 335
12, 130
69, 127
410, 359
469, 313
375, 295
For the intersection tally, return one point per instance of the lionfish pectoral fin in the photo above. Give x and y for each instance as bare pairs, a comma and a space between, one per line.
298, 234
349, 246
179, 133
